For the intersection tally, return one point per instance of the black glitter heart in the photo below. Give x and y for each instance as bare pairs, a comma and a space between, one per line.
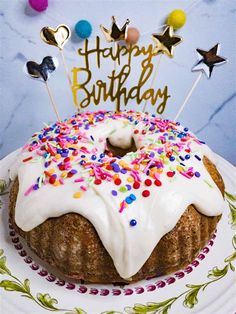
42, 70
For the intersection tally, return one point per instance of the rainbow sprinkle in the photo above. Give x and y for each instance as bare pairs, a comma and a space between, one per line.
64, 146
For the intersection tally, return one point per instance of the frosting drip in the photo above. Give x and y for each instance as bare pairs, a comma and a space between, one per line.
131, 201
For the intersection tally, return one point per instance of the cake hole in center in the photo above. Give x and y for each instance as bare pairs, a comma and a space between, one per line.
118, 151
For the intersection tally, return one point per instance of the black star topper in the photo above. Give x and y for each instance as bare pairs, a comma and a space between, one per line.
208, 59
116, 33
166, 41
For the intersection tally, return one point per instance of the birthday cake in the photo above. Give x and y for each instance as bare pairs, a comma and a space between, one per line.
115, 197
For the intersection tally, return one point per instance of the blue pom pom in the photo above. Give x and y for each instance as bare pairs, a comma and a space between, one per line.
83, 29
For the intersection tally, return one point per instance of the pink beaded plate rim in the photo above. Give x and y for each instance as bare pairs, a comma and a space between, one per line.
106, 290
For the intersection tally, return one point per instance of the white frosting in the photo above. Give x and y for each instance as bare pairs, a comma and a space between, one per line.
129, 246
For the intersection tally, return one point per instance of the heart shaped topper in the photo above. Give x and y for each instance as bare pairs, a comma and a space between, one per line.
56, 37
41, 71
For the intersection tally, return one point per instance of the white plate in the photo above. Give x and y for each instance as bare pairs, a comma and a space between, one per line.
44, 292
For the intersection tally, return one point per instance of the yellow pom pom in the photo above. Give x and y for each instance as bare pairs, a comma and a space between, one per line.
176, 19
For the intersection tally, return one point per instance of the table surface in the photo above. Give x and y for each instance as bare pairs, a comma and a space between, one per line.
210, 112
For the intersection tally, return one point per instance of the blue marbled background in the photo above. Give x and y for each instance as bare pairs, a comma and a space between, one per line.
210, 113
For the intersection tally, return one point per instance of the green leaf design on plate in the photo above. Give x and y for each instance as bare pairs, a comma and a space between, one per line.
161, 307
191, 299
10, 285
3, 267
216, 272
111, 312
3, 186
47, 301
231, 197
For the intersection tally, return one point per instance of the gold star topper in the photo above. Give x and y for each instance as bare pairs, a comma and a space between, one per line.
166, 41
115, 33
208, 60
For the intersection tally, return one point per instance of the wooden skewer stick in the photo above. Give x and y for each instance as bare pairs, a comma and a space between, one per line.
153, 80
65, 67
67, 71
188, 96
115, 68
52, 102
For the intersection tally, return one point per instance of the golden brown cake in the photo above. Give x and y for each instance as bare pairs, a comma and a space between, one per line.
73, 243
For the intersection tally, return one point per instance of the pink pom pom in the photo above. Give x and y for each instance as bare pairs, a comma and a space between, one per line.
38, 5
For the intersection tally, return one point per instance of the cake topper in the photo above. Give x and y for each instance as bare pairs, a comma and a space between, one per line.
164, 44
58, 37
115, 33
42, 72
113, 87
208, 59
166, 41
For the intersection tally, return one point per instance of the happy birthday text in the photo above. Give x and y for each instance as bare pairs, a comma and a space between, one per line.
114, 88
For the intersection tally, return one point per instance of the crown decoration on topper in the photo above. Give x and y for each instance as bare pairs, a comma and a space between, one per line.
115, 33
208, 59
42, 72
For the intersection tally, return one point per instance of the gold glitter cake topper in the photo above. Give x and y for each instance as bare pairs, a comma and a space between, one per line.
114, 88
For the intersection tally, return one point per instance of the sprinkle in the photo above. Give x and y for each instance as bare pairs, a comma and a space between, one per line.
128, 186
145, 193
27, 192
157, 182
97, 181
128, 200
148, 182
136, 185
77, 195
114, 193
198, 158
133, 197
27, 159
122, 206
52, 179
170, 174
197, 174
133, 222
185, 175
123, 189
117, 181
83, 188
79, 180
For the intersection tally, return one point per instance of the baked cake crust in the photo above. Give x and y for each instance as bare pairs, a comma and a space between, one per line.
71, 244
